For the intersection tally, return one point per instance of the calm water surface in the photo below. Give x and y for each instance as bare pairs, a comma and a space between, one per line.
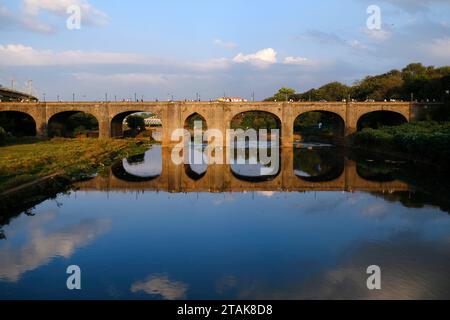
147, 229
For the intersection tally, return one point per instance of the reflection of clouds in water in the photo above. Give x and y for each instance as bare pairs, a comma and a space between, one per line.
301, 173
411, 269
247, 170
161, 285
267, 194
320, 204
42, 247
375, 210
152, 165
227, 198
226, 283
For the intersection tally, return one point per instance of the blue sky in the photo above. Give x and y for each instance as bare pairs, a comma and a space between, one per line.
156, 48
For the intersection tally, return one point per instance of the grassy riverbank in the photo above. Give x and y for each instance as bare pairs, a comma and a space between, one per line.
427, 140
72, 158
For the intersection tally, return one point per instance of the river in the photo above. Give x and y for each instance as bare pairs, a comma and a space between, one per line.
149, 229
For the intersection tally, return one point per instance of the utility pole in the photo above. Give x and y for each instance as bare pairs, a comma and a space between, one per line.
30, 87
115, 98
57, 98
106, 97
44, 96
13, 83
135, 97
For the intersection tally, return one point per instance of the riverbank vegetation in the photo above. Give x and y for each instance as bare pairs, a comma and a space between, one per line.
76, 158
425, 140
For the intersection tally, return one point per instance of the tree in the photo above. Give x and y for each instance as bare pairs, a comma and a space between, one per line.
135, 122
381, 87
424, 83
334, 91
284, 94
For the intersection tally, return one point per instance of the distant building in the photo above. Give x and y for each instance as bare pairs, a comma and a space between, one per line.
231, 99
153, 122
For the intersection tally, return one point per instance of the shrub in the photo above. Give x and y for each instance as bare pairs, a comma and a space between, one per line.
373, 137
427, 139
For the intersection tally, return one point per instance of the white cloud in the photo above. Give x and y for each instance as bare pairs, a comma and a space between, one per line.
223, 44
89, 14
210, 64
295, 60
127, 78
262, 58
378, 35
20, 55
357, 44
9, 20
440, 48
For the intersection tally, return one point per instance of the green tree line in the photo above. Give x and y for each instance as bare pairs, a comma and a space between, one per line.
415, 81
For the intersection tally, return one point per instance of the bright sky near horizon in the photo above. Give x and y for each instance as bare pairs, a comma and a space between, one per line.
179, 47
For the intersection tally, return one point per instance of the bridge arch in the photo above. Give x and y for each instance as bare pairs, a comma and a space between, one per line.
375, 119
195, 172
18, 123
323, 125
255, 119
117, 121
192, 118
140, 168
69, 124
318, 164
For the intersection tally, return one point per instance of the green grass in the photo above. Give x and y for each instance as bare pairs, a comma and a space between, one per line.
74, 158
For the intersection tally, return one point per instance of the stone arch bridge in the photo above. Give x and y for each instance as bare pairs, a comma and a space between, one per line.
173, 115
220, 178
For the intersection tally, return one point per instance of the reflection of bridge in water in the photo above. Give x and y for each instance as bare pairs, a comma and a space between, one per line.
220, 178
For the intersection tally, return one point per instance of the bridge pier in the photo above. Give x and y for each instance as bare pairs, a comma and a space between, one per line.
41, 130
287, 126
104, 128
